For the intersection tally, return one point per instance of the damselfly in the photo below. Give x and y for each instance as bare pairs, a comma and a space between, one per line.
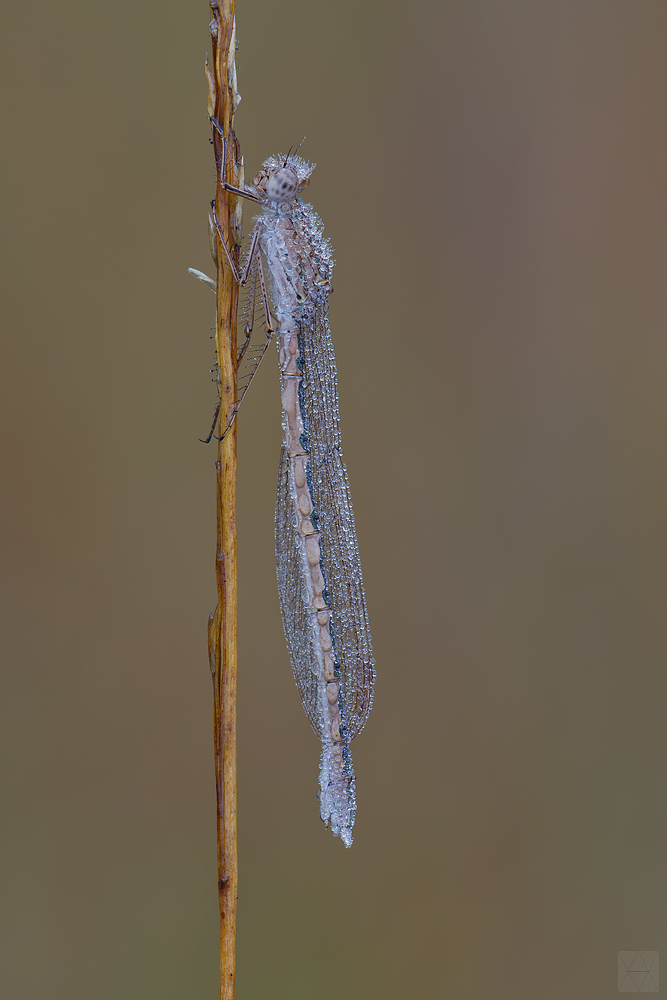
317, 556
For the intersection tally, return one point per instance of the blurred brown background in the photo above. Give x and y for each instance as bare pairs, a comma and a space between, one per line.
492, 177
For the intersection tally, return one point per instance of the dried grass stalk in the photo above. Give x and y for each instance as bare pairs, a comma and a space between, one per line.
223, 100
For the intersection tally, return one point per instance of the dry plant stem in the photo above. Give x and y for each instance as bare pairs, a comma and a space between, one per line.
223, 99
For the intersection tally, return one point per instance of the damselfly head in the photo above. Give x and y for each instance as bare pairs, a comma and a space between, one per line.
282, 184
283, 178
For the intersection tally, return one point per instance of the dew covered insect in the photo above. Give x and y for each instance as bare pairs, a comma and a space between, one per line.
320, 582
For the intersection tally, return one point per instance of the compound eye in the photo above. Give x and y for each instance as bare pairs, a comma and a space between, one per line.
282, 185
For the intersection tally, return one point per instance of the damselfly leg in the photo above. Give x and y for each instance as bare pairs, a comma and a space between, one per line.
252, 268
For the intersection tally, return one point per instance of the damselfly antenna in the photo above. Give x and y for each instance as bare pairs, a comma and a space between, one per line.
295, 151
